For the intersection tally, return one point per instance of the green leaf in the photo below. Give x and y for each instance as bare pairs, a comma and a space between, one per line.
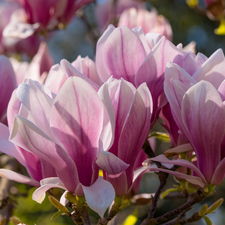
214, 206
58, 205
162, 136
124, 205
131, 219
57, 214
165, 193
207, 220
203, 210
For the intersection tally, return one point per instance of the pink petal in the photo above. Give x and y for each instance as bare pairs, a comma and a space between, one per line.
19, 30
46, 184
87, 67
213, 69
8, 147
37, 103
18, 177
55, 79
191, 179
179, 162
137, 122
102, 72
77, 119
99, 196
202, 111
26, 135
219, 173
13, 109
153, 68
120, 184
107, 135
120, 59
70, 71
7, 85
111, 164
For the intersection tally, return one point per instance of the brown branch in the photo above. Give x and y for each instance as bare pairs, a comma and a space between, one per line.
196, 198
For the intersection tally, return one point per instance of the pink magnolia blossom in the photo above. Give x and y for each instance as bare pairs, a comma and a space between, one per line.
67, 131
198, 109
11, 45
36, 167
103, 11
149, 21
133, 110
34, 17
138, 58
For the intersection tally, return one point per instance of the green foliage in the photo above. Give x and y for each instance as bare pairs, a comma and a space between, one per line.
31, 212
207, 220
214, 206
58, 205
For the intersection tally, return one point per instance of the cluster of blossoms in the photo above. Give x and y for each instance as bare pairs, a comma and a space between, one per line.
66, 122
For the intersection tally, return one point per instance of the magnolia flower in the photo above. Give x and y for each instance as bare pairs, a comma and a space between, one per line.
36, 167
67, 131
197, 106
149, 21
10, 45
34, 17
133, 110
138, 58
103, 10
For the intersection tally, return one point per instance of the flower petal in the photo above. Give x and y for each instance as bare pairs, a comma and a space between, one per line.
212, 70
202, 112
100, 65
77, 120
8, 147
70, 71
11, 175
120, 59
99, 196
46, 184
111, 163
179, 162
26, 135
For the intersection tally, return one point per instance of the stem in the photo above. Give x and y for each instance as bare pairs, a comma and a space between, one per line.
163, 179
196, 198
85, 215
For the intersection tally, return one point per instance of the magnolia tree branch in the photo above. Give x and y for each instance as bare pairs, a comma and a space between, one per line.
196, 198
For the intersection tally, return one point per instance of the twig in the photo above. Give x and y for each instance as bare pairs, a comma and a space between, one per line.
196, 198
